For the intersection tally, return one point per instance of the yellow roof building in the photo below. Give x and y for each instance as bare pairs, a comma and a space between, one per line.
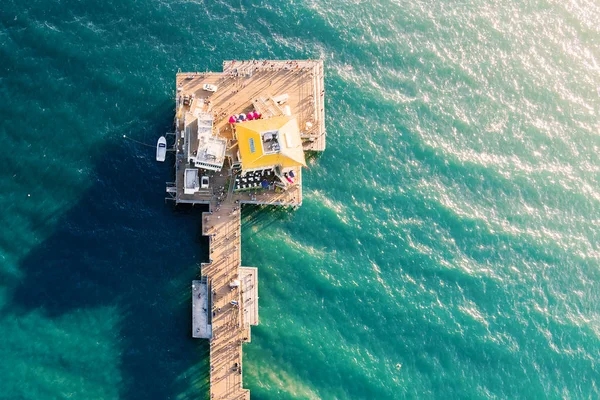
265, 143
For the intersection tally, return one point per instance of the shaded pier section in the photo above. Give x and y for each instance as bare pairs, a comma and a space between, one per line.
201, 317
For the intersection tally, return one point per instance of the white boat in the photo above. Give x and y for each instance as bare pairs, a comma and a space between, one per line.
161, 149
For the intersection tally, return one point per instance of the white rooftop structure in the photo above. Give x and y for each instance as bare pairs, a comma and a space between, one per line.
201, 325
191, 183
203, 148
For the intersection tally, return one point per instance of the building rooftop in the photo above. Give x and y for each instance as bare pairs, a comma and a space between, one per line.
204, 149
292, 90
269, 142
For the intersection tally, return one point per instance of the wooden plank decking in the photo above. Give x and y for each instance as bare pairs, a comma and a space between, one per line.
241, 86
223, 228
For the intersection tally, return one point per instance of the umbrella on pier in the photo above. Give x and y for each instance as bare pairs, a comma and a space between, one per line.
265, 184
292, 174
232, 119
250, 116
242, 116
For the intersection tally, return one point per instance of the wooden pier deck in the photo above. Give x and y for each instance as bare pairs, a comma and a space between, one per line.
234, 308
222, 225
249, 282
242, 86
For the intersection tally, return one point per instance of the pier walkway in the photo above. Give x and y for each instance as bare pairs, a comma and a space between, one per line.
229, 330
225, 299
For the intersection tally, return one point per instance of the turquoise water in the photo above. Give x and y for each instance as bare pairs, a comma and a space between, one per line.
447, 246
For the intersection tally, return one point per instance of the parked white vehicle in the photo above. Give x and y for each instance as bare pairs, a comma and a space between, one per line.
204, 182
210, 88
281, 99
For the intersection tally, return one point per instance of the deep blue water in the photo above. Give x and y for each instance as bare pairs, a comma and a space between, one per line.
447, 246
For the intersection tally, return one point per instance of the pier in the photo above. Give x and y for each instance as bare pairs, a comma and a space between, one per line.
240, 138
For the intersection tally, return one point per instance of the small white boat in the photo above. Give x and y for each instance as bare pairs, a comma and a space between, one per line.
161, 149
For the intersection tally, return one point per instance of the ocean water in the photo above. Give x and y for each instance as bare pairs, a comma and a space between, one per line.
447, 247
